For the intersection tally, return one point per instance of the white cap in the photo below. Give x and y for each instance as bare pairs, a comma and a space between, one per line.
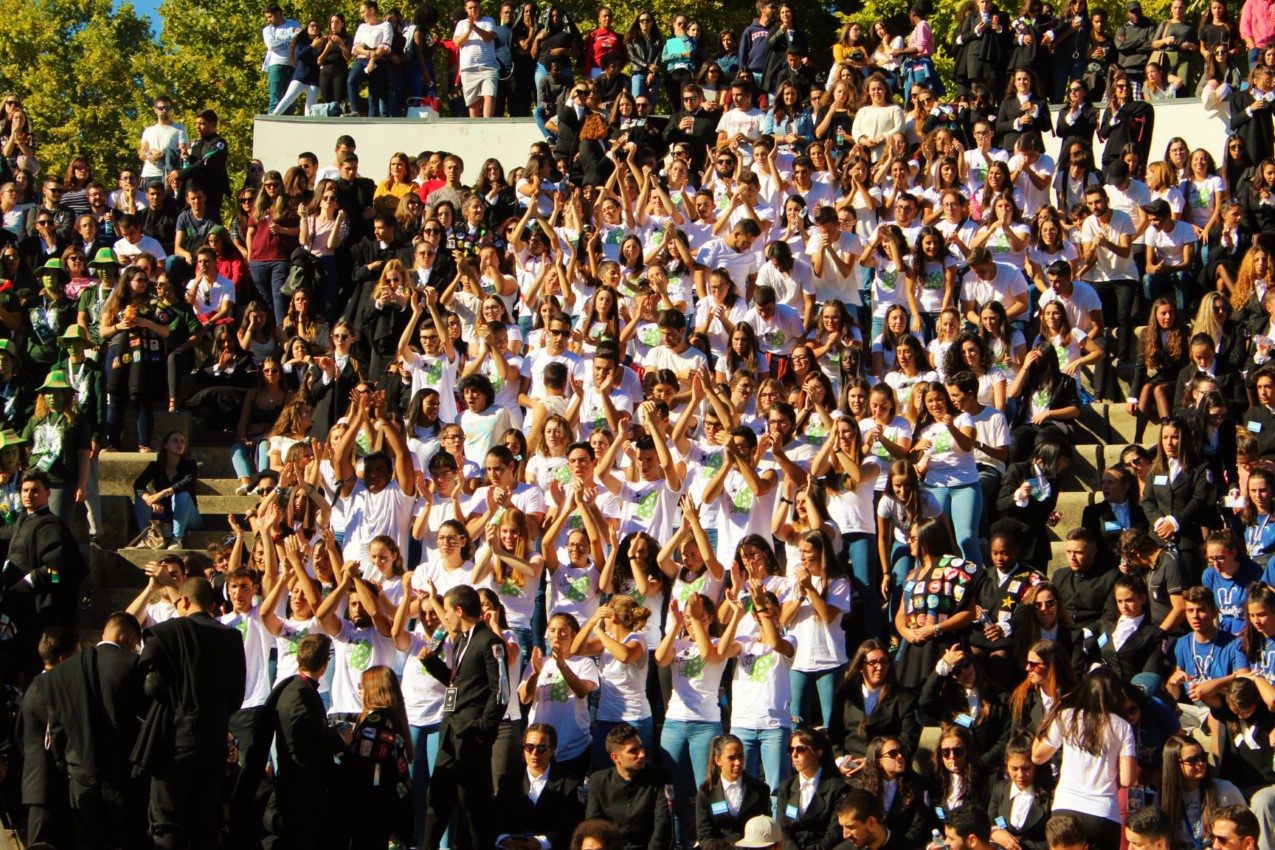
761, 831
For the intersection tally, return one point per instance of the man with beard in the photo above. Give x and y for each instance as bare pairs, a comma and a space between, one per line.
631, 795
363, 641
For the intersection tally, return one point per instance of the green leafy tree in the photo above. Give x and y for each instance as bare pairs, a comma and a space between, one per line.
78, 66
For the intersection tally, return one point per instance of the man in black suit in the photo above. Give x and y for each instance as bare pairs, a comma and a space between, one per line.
96, 704
44, 784
862, 820
693, 126
477, 682
1085, 586
539, 808
569, 120
635, 797
294, 719
194, 671
43, 572
1251, 113
354, 196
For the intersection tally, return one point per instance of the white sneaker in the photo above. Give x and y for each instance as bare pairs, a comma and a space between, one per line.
176, 544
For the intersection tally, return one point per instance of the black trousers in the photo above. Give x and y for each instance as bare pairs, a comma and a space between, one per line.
460, 783
186, 802
109, 816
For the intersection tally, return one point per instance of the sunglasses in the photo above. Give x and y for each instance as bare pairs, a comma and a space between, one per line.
559, 333
1195, 760
1046, 603
951, 752
535, 748
433, 231
1036, 666
894, 754
798, 749
341, 336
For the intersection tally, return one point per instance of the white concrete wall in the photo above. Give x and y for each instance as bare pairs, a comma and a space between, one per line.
278, 140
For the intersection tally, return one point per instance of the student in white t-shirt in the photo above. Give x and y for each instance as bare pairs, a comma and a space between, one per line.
650, 501
435, 366
258, 625
515, 569
615, 636
813, 615
382, 502
761, 691
575, 573
362, 641
1098, 758
557, 687
696, 646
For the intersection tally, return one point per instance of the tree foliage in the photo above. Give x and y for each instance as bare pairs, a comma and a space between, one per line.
78, 66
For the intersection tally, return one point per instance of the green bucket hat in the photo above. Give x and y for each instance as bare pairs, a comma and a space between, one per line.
104, 257
56, 381
9, 437
75, 333
53, 264
7, 346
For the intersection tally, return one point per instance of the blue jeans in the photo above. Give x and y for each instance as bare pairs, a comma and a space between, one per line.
645, 728
377, 103
269, 277
184, 517
241, 457
764, 750
901, 563
964, 505
642, 84
525, 644
824, 683
865, 575
684, 749
425, 742
117, 408
331, 288
278, 77
542, 114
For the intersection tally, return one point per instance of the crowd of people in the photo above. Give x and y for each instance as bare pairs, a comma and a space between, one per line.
663, 488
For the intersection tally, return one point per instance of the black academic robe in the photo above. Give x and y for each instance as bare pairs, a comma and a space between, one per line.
331, 399
1031, 835
816, 828
555, 815
1229, 381
713, 818
43, 553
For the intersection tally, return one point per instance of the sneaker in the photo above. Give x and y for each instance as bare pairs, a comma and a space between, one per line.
243, 489
176, 544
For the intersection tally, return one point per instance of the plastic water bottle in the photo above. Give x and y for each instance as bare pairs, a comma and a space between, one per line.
936, 841
1137, 798
583, 791
436, 639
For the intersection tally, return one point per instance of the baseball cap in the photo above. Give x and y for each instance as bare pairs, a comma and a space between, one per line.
761, 831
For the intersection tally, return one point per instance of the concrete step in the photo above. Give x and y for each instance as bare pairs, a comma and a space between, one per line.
1085, 472
214, 462
206, 487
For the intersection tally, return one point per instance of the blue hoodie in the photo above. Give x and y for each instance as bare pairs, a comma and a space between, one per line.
753, 47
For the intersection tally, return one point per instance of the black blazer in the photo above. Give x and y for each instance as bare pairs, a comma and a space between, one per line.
555, 815
330, 399
1034, 549
1096, 518
1135, 125
936, 706
1082, 129
1229, 382
1011, 111
721, 823
894, 716
1190, 498
817, 828
482, 685
95, 702
1032, 834
1259, 421
1256, 130
568, 133
1139, 654
1065, 395
637, 807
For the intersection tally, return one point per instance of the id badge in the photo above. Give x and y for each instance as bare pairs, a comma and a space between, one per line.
449, 701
